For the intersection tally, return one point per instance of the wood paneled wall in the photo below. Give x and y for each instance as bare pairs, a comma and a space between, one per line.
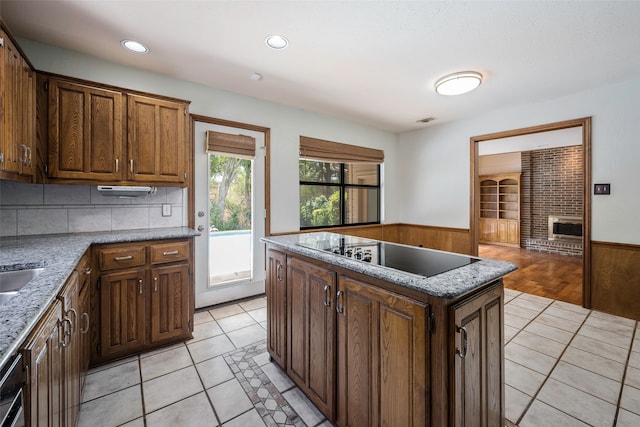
615, 279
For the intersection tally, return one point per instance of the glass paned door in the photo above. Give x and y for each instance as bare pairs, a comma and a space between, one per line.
229, 203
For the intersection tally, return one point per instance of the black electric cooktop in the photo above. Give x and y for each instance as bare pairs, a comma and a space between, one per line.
410, 259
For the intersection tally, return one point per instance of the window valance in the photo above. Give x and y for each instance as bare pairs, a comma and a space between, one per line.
240, 145
319, 149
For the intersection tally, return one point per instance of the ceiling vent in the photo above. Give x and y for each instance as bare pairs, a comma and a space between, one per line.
125, 192
426, 120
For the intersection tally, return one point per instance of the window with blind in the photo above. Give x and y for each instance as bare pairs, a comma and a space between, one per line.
339, 184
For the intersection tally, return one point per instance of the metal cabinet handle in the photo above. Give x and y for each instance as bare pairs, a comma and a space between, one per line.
327, 300
278, 271
117, 166
88, 271
131, 165
465, 342
339, 306
170, 253
85, 316
74, 323
65, 334
28, 155
140, 286
123, 258
155, 284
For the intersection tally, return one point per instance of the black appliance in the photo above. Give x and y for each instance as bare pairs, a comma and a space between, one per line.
11, 399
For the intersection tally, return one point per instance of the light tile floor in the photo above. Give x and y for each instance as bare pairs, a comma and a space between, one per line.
564, 366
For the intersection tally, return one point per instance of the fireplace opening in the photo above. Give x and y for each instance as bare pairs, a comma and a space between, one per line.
565, 227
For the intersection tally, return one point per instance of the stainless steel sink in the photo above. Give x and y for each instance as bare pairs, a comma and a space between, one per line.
12, 281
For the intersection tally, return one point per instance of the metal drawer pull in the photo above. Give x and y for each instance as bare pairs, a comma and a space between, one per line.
170, 253
339, 306
327, 301
465, 342
140, 286
123, 258
87, 271
85, 316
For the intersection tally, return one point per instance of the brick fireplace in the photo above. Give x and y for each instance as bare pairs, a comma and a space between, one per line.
551, 185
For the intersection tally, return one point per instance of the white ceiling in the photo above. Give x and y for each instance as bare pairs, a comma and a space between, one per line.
371, 62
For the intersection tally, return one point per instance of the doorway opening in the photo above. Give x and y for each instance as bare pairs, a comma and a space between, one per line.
529, 259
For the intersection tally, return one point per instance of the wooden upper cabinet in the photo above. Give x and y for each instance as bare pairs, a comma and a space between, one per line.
156, 139
85, 132
17, 121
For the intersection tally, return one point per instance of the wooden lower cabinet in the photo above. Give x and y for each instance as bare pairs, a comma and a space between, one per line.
122, 312
478, 380
43, 357
52, 359
368, 355
170, 302
311, 332
276, 291
145, 296
382, 357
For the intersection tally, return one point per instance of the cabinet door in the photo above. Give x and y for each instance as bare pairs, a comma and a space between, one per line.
156, 140
85, 132
382, 357
122, 312
71, 351
276, 290
478, 351
311, 332
170, 302
13, 149
84, 324
42, 355
488, 229
27, 108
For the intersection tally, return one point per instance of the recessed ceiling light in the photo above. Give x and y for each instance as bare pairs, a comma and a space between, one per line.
276, 42
256, 76
458, 83
135, 46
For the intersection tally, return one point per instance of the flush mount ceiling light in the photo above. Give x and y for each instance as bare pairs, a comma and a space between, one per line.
276, 42
255, 77
134, 46
458, 83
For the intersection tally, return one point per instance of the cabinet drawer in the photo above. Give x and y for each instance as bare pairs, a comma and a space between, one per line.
169, 252
129, 256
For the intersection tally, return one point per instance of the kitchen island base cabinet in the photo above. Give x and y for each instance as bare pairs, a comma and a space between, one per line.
382, 357
276, 291
478, 389
311, 332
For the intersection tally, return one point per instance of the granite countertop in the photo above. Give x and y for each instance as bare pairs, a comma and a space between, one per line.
449, 284
58, 254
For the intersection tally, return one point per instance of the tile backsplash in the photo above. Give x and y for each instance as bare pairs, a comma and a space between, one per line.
27, 209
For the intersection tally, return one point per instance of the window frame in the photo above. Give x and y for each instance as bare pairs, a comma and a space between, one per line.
342, 186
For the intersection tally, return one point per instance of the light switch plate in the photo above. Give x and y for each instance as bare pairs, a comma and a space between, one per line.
166, 209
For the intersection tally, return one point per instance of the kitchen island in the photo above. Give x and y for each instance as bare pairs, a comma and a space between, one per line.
377, 333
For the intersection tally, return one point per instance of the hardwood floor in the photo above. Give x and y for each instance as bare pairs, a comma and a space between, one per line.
547, 275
